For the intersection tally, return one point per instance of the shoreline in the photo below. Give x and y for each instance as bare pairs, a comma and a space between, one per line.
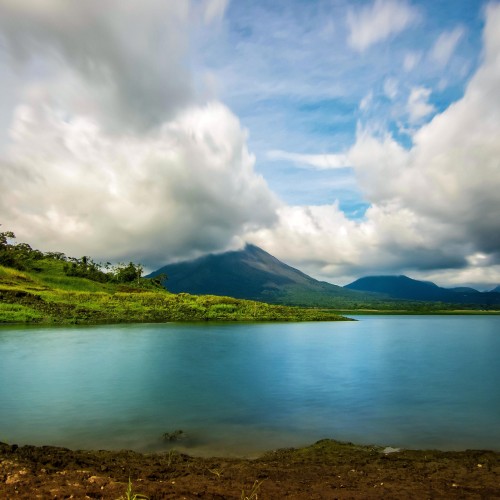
326, 469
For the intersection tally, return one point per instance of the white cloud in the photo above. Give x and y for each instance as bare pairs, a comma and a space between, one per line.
378, 21
322, 241
320, 235
482, 277
319, 161
187, 188
446, 44
434, 207
418, 106
110, 152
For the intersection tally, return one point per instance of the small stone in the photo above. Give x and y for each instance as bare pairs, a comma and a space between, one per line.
12, 479
98, 481
390, 449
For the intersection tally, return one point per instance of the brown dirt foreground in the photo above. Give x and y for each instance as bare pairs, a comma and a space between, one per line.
327, 469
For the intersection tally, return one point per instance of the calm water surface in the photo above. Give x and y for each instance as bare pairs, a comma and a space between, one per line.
409, 381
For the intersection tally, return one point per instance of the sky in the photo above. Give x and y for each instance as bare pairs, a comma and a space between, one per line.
346, 138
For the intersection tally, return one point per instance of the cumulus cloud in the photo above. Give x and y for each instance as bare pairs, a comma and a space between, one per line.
111, 153
321, 238
188, 188
446, 44
322, 241
483, 278
434, 206
376, 22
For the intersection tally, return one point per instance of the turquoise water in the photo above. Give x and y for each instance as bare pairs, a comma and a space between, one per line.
239, 389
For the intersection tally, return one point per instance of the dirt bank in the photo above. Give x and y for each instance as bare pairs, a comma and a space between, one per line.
327, 469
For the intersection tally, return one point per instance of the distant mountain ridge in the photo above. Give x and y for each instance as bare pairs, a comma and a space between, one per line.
405, 288
252, 273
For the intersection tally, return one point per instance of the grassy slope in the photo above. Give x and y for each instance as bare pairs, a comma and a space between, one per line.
49, 296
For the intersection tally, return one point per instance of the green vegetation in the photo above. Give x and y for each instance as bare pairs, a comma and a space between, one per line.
130, 495
51, 288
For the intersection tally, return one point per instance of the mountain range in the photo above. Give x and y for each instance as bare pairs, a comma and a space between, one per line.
252, 273
405, 288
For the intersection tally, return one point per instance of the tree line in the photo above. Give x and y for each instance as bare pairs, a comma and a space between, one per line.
23, 257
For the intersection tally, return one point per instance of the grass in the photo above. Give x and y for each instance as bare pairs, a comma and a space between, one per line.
17, 313
253, 494
130, 495
47, 295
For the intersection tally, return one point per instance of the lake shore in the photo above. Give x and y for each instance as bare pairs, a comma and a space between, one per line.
327, 469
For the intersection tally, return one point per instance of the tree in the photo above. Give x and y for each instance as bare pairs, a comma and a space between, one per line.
86, 268
159, 280
4, 238
20, 256
128, 273
7, 256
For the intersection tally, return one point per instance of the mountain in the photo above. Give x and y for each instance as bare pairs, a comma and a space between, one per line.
496, 289
464, 289
252, 273
402, 287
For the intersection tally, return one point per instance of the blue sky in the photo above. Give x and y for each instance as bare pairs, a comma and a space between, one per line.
290, 72
344, 137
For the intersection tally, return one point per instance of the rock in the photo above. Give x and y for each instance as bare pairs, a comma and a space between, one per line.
174, 436
97, 480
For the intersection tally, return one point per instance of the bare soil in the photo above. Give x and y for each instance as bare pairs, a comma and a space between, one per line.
327, 469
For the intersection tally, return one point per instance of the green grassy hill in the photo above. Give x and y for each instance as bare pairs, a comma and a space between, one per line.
47, 295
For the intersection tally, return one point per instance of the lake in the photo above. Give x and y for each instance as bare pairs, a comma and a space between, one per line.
240, 389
